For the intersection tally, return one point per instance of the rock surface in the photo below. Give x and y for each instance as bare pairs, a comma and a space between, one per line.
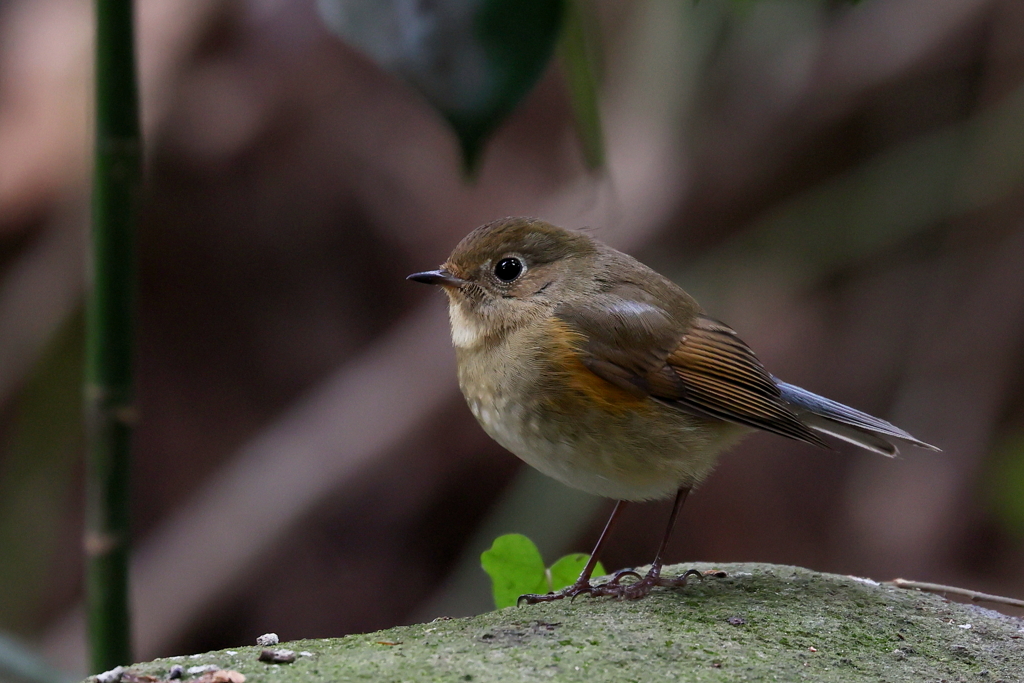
760, 623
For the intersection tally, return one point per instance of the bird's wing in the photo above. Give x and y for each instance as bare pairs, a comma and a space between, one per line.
699, 365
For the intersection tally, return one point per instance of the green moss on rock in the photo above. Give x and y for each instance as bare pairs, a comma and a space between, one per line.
761, 623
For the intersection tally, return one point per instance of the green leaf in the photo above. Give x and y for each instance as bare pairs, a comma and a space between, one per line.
474, 60
577, 51
518, 37
515, 567
1007, 483
38, 464
565, 572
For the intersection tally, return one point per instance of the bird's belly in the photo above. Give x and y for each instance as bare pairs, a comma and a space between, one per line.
627, 455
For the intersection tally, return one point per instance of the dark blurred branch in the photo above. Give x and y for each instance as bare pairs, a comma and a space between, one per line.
110, 332
891, 198
953, 590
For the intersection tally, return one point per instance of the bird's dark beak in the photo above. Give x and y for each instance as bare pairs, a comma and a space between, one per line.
437, 277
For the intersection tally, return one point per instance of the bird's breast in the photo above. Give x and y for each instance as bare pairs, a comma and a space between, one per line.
532, 394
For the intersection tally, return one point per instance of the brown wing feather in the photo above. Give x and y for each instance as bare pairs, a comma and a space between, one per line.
703, 368
724, 378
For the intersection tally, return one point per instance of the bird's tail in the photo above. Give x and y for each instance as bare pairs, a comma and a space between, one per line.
829, 417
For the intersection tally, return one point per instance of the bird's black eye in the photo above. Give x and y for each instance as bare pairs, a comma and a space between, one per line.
508, 269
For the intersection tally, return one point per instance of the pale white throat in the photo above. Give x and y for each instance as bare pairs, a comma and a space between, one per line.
467, 329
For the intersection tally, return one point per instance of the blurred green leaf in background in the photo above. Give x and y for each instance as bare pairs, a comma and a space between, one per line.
36, 474
474, 60
578, 51
1007, 483
565, 572
40, 459
516, 568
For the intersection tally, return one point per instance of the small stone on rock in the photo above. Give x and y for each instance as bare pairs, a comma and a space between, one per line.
277, 656
202, 669
268, 639
112, 676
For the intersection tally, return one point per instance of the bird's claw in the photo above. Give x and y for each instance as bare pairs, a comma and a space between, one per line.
621, 574
572, 592
643, 586
614, 587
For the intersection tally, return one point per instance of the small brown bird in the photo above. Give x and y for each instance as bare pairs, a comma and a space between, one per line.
608, 377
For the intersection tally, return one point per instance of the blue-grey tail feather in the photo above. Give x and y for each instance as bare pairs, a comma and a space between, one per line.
843, 422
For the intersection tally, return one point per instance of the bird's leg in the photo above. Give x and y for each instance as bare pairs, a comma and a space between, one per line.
655, 571
582, 584
642, 587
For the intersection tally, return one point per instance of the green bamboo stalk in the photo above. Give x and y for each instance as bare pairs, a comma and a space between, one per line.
109, 335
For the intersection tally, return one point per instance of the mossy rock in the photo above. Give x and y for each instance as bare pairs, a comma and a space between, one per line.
760, 623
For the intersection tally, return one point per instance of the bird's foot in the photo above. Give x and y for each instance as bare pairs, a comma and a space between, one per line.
615, 588
581, 587
643, 586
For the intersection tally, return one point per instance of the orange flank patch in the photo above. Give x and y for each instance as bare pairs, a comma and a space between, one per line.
578, 383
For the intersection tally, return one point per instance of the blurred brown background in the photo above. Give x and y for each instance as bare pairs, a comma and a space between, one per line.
842, 184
